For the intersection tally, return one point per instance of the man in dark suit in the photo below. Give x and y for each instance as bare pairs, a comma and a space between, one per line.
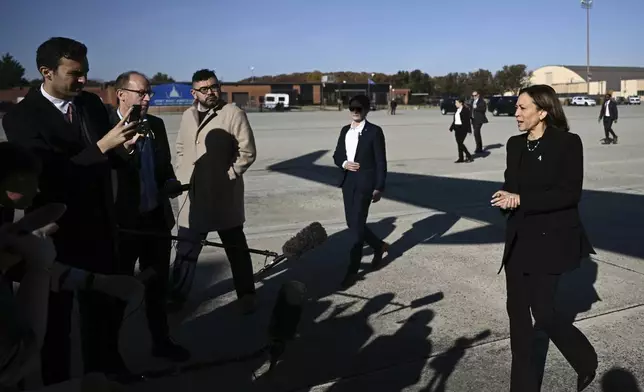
361, 154
69, 130
479, 107
143, 205
608, 112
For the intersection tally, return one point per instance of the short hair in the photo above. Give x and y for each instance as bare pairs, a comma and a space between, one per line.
17, 159
362, 99
546, 99
203, 74
53, 50
123, 79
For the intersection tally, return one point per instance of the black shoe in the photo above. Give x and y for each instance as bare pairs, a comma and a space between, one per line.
477, 151
376, 262
615, 140
469, 160
348, 281
459, 161
584, 380
168, 349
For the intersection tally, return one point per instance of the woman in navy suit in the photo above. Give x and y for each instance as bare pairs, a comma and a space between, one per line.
544, 237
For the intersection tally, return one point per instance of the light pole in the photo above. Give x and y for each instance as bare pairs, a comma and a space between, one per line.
252, 74
587, 4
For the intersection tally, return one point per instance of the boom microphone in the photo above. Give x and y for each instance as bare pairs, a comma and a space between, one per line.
175, 187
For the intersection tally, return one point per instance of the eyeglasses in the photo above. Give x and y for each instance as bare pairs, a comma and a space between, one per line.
355, 109
141, 93
204, 90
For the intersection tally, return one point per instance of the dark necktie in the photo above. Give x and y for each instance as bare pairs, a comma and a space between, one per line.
69, 116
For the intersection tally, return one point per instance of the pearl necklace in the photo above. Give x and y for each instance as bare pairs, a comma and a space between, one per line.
535, 146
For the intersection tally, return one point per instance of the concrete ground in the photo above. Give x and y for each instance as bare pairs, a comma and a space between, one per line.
433, 319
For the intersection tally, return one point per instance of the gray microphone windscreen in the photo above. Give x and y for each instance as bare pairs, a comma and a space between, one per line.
308, 238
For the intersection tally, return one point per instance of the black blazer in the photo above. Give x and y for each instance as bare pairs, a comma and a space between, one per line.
75, 172
370, 154
552, 237
612, 109
478, 113
465, 120
128, 194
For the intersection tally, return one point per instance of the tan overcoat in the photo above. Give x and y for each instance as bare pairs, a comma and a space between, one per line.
213, 157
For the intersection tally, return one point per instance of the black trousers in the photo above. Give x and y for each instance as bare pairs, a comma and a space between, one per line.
608, 127
460, 136
241, 264
536, 293
99, 314
356, 211
477, 136
151, 252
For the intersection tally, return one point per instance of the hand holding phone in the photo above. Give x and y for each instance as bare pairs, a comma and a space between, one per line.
135, 114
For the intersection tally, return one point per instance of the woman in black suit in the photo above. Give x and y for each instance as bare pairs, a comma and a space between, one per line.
462, 125
544, 236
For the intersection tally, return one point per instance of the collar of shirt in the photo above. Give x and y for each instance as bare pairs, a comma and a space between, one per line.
358, 127
60, 104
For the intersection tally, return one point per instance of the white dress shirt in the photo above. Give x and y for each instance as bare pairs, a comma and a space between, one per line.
457, 116
351, 141
607, 109
60, 104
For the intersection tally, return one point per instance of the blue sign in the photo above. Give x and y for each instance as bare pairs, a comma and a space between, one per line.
172, 94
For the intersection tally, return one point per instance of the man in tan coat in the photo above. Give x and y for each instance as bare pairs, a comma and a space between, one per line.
215, 146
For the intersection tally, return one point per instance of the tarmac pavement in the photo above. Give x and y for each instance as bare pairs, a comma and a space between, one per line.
433, 318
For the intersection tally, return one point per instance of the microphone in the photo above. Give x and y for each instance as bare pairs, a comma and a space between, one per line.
285, 318
306, 239
175, 187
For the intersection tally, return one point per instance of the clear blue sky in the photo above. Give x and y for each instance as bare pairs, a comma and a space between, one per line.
178, 37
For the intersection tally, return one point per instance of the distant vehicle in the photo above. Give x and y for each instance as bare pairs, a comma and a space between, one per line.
503, 105
634, 100
272, 99
621, 101
582, 101
448, 105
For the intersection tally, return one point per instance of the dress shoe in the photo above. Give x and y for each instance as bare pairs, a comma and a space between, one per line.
615, 140
459, 161
376, 262
248, 303
348, 281
584, 380
168, 349
469, 160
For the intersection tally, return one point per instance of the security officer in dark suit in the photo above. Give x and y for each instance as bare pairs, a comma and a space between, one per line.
608, 112
361, 154
143, 205
544, 236
479, 107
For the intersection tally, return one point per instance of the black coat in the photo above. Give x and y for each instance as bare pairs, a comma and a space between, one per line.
370, 154
75, 172
466, 120
612, 109
128, 194
547, 226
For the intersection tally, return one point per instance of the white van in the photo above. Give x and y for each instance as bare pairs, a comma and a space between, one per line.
272, 99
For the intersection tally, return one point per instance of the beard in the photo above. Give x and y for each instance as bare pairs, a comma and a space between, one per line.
209, 102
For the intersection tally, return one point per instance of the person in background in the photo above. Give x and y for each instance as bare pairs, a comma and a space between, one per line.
143, 205
68, 129
479, 107
608, 112
544, 236
361, 154
215, 147
461, 126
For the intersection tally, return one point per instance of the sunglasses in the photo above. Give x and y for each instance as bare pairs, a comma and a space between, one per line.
355, 109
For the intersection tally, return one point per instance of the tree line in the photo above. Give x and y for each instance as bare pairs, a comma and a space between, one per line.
510, 78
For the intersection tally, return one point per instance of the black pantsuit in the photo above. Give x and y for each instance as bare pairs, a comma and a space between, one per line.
609, 118
461, 130
358, 187
544, 239
76, 173
608, 128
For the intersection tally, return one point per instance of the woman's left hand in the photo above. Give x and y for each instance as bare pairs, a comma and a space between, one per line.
506, 200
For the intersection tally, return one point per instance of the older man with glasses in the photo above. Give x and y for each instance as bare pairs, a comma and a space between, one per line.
143, 206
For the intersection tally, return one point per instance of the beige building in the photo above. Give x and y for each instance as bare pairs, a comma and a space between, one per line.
570, 80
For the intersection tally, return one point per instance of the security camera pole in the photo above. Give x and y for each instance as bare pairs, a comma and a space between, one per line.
587, 4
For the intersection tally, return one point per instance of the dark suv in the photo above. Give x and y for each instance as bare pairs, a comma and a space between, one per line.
447, 105
503, 105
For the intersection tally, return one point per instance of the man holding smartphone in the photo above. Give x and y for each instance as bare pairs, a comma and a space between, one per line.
143, 206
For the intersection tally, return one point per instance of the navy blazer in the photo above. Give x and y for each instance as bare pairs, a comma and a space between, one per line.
547, 221
612, 109
370, 154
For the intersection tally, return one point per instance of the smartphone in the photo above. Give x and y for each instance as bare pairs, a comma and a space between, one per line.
135, 115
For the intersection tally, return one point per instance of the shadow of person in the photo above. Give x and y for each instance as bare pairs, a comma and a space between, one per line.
445, 364
411, 341
575, 294
421, 232
325, 350
619, 380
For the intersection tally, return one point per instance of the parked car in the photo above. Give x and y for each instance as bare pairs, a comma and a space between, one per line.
621, 101
582, 101
634, 100
448, 105
503, 105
